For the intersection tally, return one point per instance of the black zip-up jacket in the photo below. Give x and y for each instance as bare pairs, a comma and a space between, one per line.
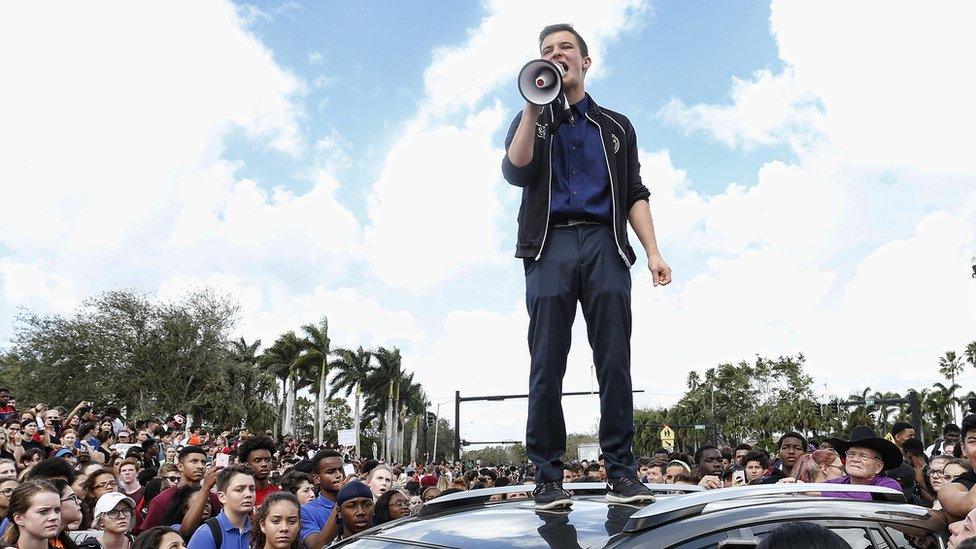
535, 178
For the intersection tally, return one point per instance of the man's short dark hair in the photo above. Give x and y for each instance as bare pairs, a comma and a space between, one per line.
900, 426
252, 443
52, 468
559, 27
701, 450
914, 447
743, 446
323, 454
187, 450
950, 428
227, 473
792, 434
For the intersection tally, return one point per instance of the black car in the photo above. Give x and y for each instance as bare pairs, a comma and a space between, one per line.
685, 517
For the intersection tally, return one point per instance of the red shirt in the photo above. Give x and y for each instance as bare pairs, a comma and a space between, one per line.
261, 494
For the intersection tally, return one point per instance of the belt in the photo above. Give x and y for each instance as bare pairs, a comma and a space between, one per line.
574, 222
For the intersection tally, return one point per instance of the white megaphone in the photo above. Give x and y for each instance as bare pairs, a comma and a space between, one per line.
540, 82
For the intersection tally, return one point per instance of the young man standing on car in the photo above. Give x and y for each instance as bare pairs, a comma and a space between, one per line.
581, 184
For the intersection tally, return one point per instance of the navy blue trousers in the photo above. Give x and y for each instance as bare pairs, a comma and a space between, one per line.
579, 264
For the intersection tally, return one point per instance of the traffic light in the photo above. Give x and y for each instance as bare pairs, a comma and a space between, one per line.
835, 407
820, 410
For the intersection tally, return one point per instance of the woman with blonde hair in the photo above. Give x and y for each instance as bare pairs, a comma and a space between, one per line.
35, 516
819, 466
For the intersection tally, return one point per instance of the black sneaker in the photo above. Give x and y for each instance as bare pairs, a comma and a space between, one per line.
550, 495
628, 490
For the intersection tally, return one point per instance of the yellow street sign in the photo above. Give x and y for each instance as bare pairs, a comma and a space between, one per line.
667, 437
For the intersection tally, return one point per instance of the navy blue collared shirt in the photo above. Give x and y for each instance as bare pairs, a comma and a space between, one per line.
580, 181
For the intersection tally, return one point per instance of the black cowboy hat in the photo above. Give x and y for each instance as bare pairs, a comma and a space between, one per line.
865, 437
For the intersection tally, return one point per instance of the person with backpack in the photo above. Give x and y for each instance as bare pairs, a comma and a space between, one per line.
231, 528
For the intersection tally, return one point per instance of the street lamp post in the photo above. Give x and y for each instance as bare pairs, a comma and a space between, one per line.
973, 262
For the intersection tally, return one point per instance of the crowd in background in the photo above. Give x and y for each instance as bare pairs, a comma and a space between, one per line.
88, 478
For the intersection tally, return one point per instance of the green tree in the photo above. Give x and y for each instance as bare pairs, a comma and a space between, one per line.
351, 370
283, 358
950, 366
150, 357
317, 347
381, 388
336, 416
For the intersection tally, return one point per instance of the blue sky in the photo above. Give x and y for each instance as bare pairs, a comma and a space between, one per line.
811, 173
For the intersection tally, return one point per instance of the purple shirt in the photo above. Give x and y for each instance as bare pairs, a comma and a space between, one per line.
876, 481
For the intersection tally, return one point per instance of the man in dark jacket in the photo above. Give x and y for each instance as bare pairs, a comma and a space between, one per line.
580, 180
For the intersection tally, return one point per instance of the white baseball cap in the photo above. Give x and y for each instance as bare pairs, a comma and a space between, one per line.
108, 502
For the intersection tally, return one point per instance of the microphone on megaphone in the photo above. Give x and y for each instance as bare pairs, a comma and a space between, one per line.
541, 82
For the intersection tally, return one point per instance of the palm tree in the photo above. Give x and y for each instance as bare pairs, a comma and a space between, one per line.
283, 359
970, 353
253, 384
380, 387
351, 370
317, 347
950, 366
940, 402
412, 403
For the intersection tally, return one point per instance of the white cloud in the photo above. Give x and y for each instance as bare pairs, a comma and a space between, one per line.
269, 308
35, 286
886, 90
117, 154
434, 207
891, 77
95, 139
438, 196
765, 110
507, 37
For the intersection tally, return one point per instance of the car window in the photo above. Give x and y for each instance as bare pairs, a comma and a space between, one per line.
857, 538
913, 537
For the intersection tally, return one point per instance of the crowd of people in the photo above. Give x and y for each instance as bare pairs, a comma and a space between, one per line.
95, 480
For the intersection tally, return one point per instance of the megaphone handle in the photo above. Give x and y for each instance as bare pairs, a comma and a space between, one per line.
568, 111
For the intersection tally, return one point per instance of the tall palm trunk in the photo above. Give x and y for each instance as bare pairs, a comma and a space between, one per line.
358, 391
413, 440
290, 406
389, 425
320, 409
277, 403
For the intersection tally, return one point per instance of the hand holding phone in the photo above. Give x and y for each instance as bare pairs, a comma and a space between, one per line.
739, 478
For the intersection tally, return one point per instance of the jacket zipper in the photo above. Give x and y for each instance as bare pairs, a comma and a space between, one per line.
549, 204
613, 194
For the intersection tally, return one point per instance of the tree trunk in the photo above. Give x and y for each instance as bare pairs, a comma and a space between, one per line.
413, 441
357, 422
320, 409
290, 407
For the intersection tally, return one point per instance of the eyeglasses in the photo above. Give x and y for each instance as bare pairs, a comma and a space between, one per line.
403, 504
71, 497
106, 485
860, 456
119, 513
6, 492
